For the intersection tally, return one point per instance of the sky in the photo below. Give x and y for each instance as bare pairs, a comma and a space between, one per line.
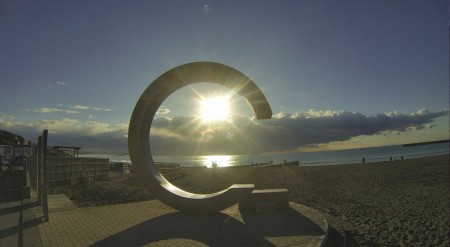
337, 75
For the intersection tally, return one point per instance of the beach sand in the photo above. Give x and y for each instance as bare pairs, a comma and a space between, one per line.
398, 203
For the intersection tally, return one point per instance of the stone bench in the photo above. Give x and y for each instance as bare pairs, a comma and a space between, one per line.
266, 201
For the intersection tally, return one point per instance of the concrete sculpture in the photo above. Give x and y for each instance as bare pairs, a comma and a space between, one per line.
142, 117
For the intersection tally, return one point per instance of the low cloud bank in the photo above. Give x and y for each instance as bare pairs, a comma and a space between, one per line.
185, 135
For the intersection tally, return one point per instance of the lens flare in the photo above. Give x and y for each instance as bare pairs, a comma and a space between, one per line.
214, 109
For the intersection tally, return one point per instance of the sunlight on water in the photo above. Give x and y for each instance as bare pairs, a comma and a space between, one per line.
222, 160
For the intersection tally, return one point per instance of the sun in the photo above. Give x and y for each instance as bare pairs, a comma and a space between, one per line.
214, 109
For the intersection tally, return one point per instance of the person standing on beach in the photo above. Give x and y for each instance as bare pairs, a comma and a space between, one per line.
363, 160
214, 167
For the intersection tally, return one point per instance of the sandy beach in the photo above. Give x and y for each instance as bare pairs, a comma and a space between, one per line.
399, 203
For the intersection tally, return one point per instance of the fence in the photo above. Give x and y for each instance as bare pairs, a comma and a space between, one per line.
72, 170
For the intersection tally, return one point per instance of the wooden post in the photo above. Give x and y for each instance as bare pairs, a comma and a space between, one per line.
44, 175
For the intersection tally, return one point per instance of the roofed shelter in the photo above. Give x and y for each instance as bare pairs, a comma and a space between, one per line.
75, 149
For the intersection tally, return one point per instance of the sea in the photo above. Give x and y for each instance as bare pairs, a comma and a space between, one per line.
348, 156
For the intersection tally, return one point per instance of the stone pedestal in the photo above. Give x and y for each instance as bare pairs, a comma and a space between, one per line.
266, 201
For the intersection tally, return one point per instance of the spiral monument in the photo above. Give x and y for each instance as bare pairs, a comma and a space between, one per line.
142, 117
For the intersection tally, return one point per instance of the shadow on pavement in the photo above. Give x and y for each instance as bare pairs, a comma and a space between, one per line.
216, 229
17, 220
17, 229
8, 196
17, 208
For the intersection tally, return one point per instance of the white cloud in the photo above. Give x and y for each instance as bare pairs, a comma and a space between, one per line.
80, 107
64, 124
51, 110
421, 112
100, 109
122, 126
394, 114
4, 117
85, 107
162, 111
6, 121
61, 83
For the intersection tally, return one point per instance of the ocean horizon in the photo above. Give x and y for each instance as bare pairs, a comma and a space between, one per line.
335, 157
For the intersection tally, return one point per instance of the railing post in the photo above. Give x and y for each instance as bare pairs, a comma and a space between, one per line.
44, 175
26, 185
39, 170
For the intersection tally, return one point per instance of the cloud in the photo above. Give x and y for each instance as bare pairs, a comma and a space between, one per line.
316, 127
57, 125
186, 135
162, 111
284, 132
75, 109
51, 110
206, 8
80, 107
84, 107
6, 121
91, 136
58, 83
100, 109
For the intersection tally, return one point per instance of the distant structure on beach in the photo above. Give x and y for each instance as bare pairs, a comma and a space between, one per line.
119, 166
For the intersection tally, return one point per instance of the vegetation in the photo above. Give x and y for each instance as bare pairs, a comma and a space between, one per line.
8, 138
119, 188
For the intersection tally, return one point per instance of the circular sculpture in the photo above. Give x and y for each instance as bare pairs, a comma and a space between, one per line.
142, 117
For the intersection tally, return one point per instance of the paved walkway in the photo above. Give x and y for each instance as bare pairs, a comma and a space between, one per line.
151, 223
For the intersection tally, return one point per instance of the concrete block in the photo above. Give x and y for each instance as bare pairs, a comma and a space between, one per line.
264, 207
278, 197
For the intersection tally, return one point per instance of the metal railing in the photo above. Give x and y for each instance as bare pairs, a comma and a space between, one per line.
72, 170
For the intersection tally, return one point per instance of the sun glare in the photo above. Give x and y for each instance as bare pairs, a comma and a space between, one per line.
220, 160
214, 109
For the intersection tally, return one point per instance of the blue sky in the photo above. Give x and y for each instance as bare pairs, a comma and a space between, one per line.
374, 72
